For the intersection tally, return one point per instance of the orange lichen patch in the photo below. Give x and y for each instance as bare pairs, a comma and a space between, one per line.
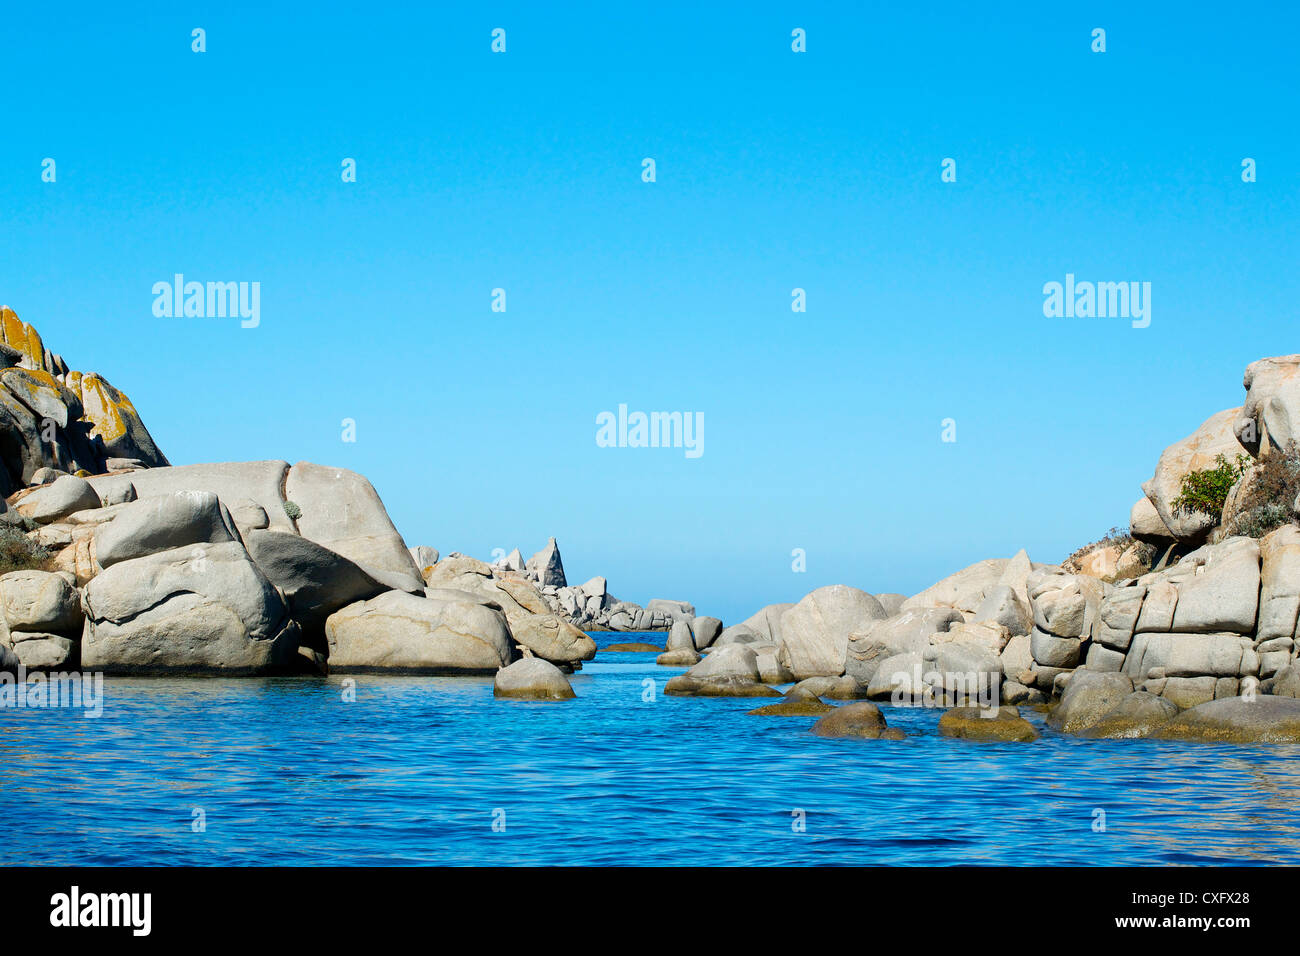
17, 334
11, 327
36, 348
103, 406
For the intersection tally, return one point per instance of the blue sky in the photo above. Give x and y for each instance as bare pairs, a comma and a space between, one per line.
775, 170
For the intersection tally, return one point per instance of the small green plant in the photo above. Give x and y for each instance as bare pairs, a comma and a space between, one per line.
292, 510
18, 552
1205, 491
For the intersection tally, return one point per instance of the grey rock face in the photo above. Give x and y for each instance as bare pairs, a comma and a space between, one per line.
908, 631
259, 482
548, 566
1088, 697
734, 660
341, 510
40, 601
1002, 606
162, 523
532, 679
1195, 452
705, 630
425, 558
315, 581
815, 632
402, 632
974, 579
64, 496
44, 652
1270, 417
552, 638
680, 637
204, 608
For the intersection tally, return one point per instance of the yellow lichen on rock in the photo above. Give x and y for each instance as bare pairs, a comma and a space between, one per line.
102, 406
37, 386
15, 334
18, 335
36, 349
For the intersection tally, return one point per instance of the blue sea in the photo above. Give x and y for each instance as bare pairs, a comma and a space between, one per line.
435, 771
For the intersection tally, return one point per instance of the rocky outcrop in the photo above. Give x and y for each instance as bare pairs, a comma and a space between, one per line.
1269, 419
533, 625
1063, 607
547, 566
314, 580
340, 510
1196, 452
1089, 696
195, 609
54, 418
588, 606
64, 496
40, 619
400, 632
1190, 633
815, 632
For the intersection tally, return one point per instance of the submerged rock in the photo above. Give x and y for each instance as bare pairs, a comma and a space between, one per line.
835, 688
987, 724
683, 685
862, 720
793, 708
1088, 697
681, 657
1138, 715
1263, 719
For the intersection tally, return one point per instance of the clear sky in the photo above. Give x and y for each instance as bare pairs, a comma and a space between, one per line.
774, 170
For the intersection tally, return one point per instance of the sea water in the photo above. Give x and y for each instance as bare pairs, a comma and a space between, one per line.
433, 770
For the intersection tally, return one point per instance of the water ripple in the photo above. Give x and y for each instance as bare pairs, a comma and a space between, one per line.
418, 770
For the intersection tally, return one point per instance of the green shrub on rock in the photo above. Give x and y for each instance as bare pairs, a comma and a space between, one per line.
1206, 491
18, 552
